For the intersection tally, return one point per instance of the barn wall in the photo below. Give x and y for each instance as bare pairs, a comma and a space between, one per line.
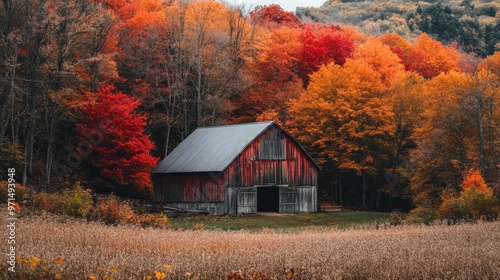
289, 167
308, 199
192, 188
212, 208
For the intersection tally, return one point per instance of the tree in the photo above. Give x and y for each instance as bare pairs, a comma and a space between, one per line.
346, 119
273, 16
271, 70
432, 57
111, 139
380, 58
322, 45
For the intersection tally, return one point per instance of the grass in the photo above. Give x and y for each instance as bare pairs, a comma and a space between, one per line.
75, 249
338, 220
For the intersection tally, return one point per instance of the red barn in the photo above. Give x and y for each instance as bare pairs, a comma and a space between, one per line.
244, 168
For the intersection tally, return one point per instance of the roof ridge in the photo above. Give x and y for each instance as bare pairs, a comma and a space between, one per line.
236, 124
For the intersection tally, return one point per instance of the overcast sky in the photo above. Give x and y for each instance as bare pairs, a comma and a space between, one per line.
287, 5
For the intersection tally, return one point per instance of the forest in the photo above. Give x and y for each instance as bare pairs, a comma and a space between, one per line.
98, 91
470, 24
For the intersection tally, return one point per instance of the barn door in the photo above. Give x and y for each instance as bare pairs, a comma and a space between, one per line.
289, 200
247, 200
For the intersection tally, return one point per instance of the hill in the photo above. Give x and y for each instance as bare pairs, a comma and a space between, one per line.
473, 24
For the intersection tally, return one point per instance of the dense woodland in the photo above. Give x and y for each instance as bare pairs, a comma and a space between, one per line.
470, 24
99, 91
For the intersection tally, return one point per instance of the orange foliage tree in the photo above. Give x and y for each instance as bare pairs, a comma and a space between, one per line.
346, 119
474, 179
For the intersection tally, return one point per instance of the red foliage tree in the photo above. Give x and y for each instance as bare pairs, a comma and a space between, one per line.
112, 140
322, 45
273, 16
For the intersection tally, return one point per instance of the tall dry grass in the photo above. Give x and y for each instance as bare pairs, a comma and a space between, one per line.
93, 251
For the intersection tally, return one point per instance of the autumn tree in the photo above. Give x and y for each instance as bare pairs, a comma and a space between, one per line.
111, 139
345, 117
475, 200
459, 125
274, 81
432, 58
322, 45
273, 16
185, 63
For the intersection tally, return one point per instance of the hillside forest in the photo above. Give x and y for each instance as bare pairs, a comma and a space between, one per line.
98, 91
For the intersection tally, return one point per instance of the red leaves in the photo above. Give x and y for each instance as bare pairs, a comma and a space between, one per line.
321, 46
273, 16
118, 147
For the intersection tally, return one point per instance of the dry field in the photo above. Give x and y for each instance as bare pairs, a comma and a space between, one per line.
49, 249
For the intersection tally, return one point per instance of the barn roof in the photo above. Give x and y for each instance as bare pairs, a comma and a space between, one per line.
211, 149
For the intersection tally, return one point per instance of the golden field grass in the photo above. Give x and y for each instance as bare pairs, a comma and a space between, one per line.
49, 249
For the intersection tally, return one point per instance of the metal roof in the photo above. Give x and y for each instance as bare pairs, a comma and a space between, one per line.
211, 149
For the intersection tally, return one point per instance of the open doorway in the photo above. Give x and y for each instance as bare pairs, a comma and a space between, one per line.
268, 199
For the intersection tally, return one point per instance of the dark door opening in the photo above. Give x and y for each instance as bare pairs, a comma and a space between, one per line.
268, 199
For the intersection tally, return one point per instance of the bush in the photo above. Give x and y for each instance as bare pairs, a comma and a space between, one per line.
425, 212
22, 193
112, 211
76, 202
153, 220
48, 202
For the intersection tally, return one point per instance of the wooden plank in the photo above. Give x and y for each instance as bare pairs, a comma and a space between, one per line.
247, 200
289, 200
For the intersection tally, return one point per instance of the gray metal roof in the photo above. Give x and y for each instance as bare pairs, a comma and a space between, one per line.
211, 149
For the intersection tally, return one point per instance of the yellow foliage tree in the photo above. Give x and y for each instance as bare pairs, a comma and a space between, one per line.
345, 117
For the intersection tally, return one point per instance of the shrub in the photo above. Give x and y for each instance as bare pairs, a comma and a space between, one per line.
476, 200
47, 202
112, 211
425, 212
76, 202
21, 193
153, 220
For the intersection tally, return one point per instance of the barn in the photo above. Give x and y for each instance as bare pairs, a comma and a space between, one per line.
235, 169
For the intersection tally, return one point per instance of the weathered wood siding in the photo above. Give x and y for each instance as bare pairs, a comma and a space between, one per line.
259, 165
204, 187
246, 200
289, 200
308, 199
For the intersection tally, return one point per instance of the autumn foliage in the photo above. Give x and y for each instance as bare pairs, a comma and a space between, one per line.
476, 200
393, 122
112, 141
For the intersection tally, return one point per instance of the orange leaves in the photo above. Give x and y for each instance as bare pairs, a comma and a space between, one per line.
380, 58
474, 179
434, 57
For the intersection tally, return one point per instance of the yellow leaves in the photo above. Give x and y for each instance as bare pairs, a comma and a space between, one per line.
159, 275
34, 262
58, 276
92, 277
437, 56
380, 58
168, 267
58, 260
